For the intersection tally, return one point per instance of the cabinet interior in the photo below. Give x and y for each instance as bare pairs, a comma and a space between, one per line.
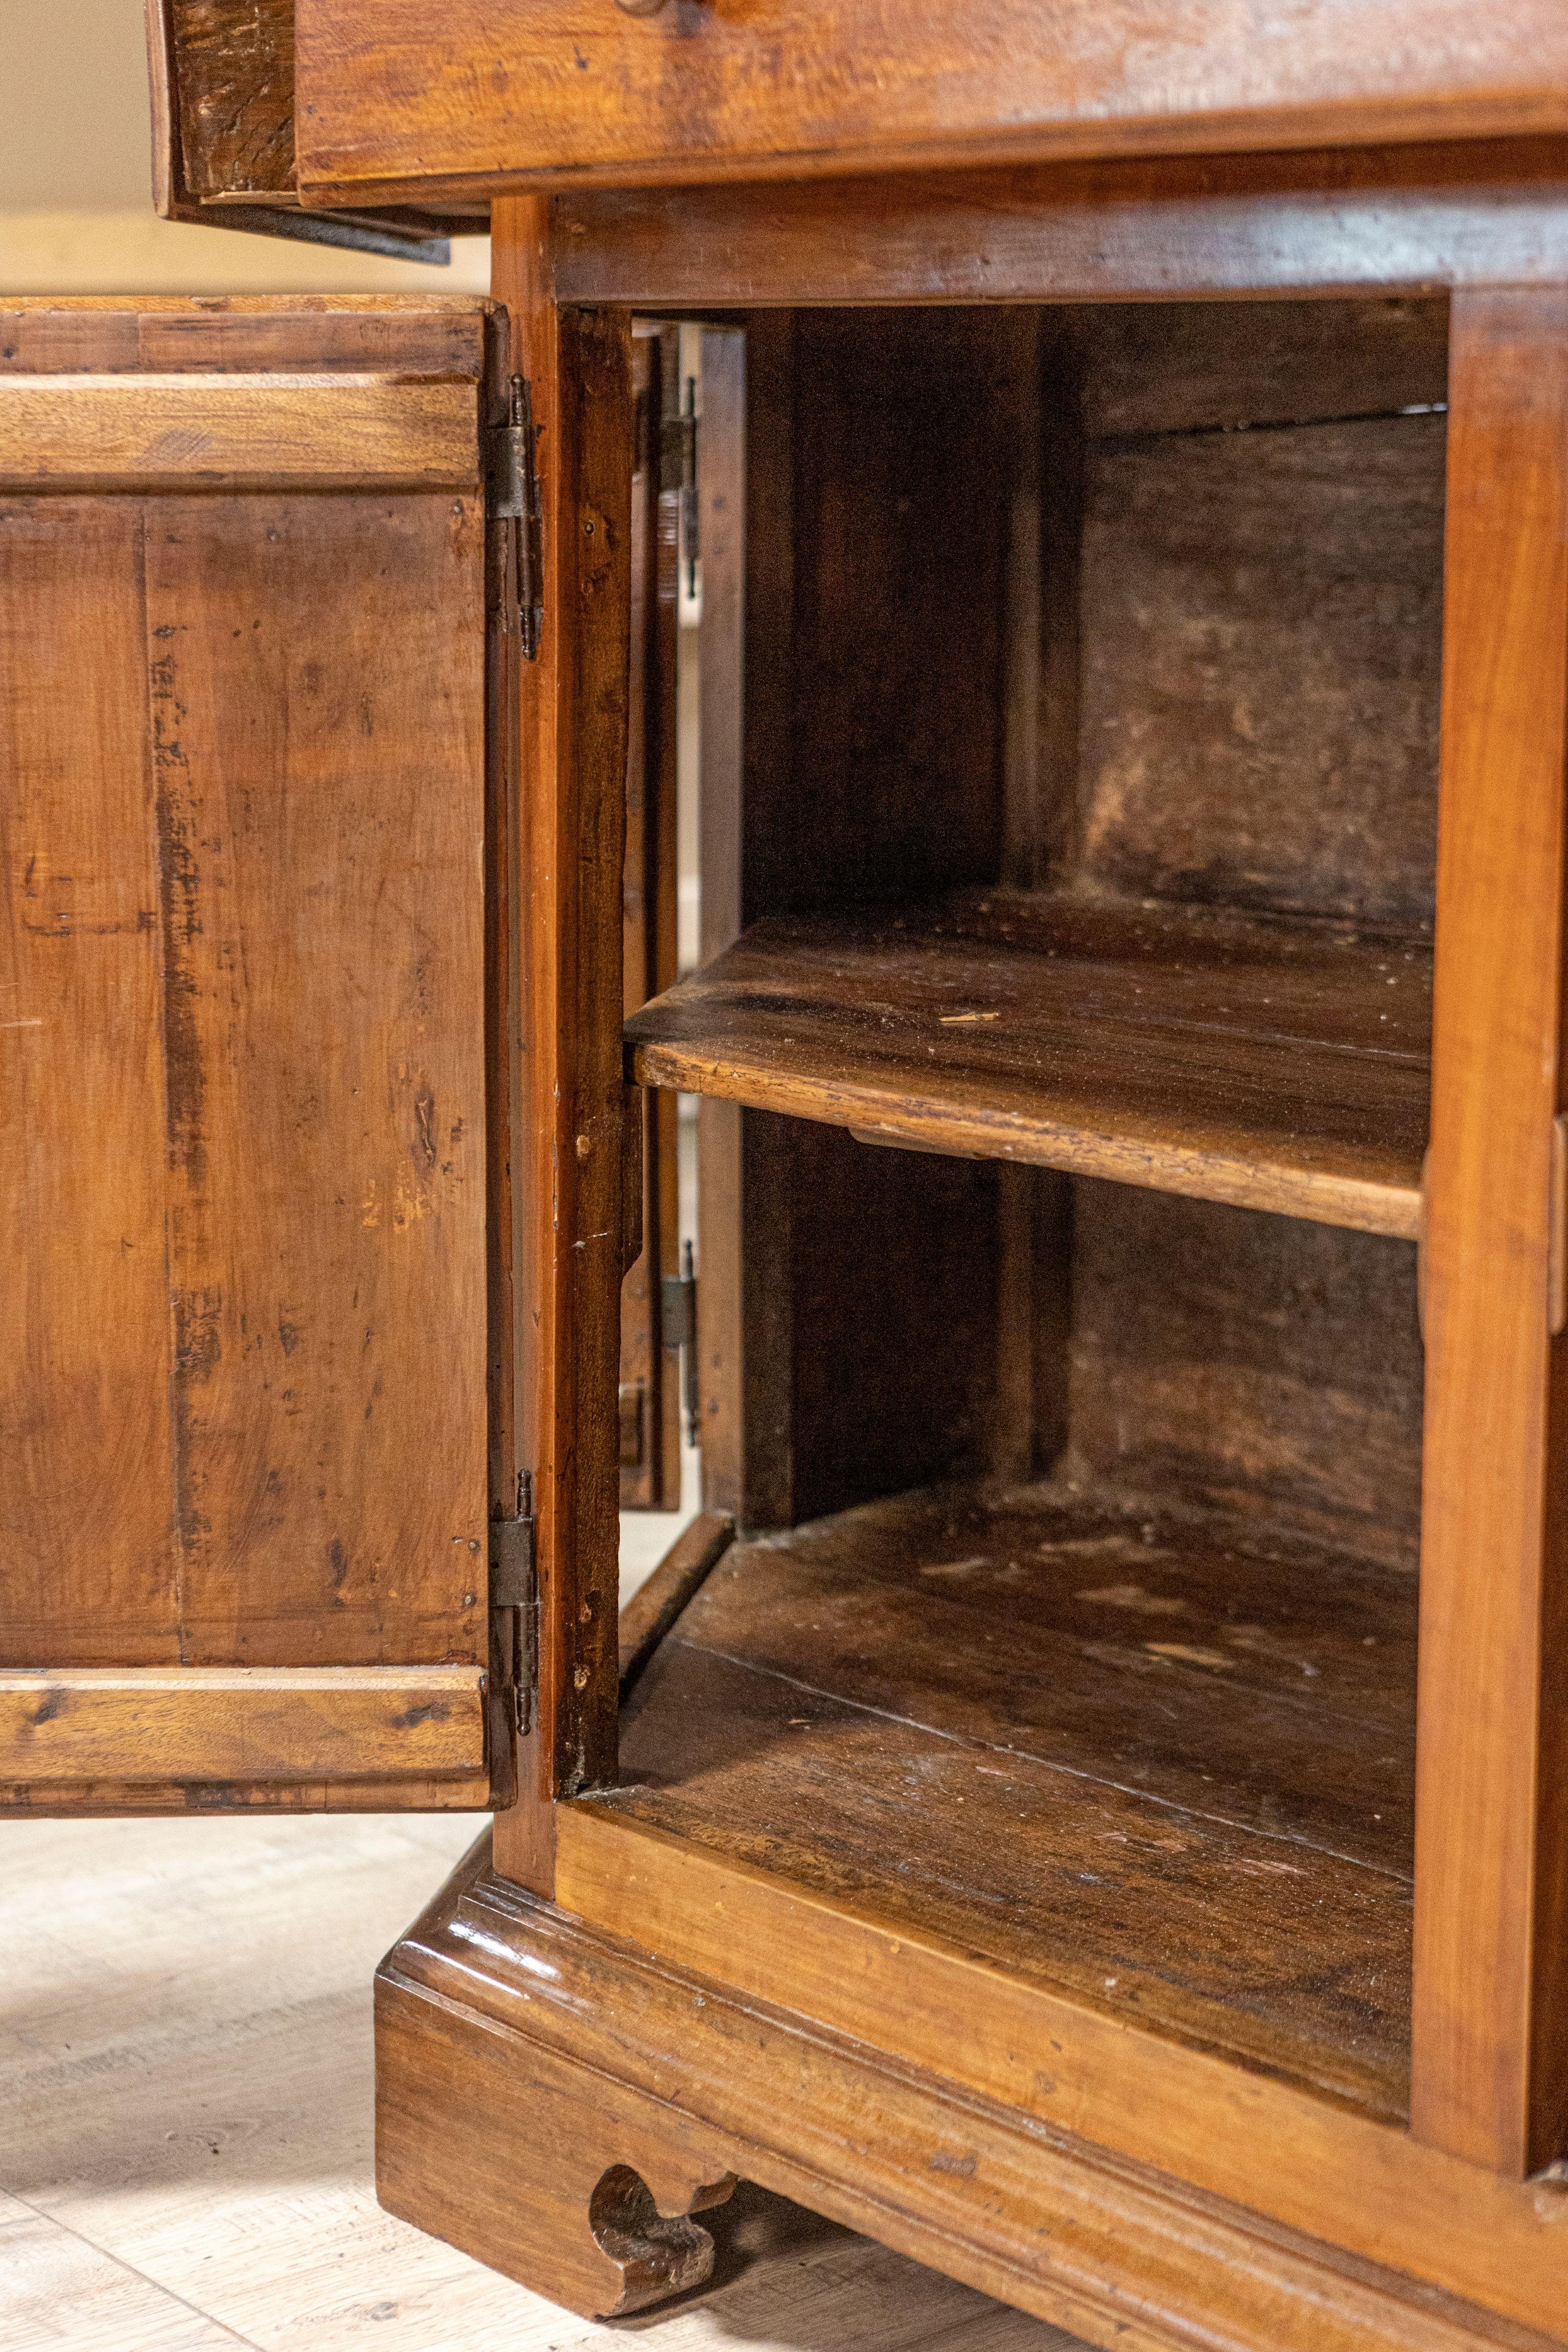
1077, 1013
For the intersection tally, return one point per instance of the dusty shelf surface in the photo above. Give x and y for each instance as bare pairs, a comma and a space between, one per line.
1272, 1064
1164, 1764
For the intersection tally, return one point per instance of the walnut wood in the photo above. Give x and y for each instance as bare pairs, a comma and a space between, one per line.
1179, 1789
246, 1358
472, 1792
245, 1724
497, 2008
1230, 1359
275, 430
507, 1102
880, 610
517, 92
572, 749
221, 81
843, 454
653, 1608
1254, 1064
1361, 2184
742, 637
1336, 219
650, 1401
587, 2172
235, 95
878, 768
1174, 367
1491, 2000
1027, 617
391, 336
1258, 705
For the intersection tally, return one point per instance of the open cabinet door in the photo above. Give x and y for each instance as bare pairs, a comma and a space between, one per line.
251, 1442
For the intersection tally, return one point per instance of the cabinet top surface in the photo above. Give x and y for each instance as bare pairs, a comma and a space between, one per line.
548, 92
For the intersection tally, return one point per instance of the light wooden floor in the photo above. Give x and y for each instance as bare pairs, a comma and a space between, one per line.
185, 2123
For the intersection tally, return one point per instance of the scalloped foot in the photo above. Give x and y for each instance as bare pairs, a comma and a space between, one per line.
578, 2187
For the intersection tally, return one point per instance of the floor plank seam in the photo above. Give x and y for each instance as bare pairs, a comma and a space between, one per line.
1045, 1764
105, 2253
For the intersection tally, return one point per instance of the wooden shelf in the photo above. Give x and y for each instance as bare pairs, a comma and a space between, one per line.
1269, 1064
1165, 1766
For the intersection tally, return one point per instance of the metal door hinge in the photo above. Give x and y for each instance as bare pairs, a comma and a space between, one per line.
512, 478
514, 1600
677, 471
678, 1331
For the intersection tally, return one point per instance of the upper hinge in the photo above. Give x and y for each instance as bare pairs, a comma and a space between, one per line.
513, 496
677, 471
514, 1568
514, 1587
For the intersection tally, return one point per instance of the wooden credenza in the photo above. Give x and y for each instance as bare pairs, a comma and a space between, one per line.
1088, 1803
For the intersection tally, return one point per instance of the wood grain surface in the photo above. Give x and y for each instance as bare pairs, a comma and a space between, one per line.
570, 710
650, 1376
245, 1364
1177, 1784
930, 2150
553, 90
246, 1724
1334, 219
87, 1498
190, 431
394, 336
1259, 711
1491, 1986
653, 1608
221, 80
1169, 368
1255, 1064
235, 95
1230, 1359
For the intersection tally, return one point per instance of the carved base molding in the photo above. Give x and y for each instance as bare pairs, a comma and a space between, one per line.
560, 2104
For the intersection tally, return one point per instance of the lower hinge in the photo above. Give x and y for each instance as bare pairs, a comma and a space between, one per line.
678, 1331
514, 1602
677, 471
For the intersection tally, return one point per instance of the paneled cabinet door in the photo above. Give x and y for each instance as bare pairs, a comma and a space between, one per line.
249, 1442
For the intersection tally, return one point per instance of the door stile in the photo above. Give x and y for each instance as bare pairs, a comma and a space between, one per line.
505, 1126
571, 737
1490, 2056
650, 1414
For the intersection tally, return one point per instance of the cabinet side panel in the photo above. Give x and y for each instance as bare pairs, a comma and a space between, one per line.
906, 445
893, 1312
318, 762
88, 1568
1262, 629
1230, 1357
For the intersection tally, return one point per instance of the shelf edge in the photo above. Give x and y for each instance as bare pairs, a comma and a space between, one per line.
1139, 1152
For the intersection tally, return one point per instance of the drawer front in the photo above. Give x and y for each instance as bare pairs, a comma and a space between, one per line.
474, 93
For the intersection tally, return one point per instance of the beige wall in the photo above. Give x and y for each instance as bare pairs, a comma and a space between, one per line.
75, 207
